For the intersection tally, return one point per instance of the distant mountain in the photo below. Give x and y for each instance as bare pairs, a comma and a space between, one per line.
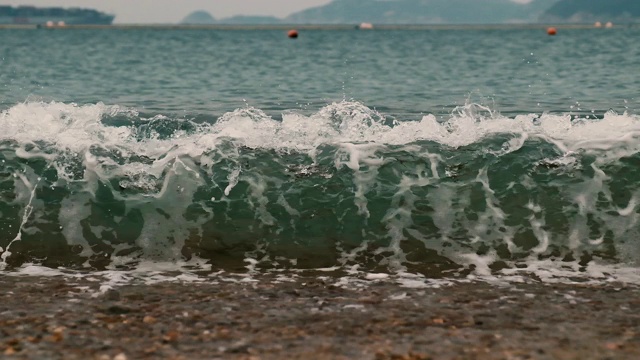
41, 16
593, 10
423, 12
257, 20
204, 18
199, 18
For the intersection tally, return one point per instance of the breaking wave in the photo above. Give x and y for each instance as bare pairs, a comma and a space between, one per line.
95, 186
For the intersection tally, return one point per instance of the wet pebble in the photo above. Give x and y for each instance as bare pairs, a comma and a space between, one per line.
112, 295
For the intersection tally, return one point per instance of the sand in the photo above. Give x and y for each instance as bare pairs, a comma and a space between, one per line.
61, 318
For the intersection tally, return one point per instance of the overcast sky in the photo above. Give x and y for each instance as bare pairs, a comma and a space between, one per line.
171, 11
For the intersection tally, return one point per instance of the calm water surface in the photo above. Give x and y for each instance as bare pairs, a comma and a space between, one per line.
402, 73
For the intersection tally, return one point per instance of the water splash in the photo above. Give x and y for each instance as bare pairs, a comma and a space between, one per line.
28, 209
344, 186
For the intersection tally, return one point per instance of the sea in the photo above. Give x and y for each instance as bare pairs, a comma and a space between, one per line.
419, 156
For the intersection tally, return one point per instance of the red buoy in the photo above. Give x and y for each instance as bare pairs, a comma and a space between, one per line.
552, 31
293, 34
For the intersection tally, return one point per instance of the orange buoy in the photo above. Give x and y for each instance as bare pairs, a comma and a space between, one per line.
293, 34
552, 31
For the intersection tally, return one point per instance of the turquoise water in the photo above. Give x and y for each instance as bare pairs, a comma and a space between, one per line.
431, 150
404, 74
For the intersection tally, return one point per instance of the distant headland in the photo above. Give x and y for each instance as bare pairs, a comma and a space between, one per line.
204, 18
31, 15
471, 12
585, 11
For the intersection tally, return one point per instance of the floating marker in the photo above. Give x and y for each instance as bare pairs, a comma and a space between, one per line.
598, 24
552, 31
293, 34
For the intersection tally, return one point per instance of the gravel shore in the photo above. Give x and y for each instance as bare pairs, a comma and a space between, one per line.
55, 318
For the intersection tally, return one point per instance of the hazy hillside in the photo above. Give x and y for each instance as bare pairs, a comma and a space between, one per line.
199, 18
445, 12
204, 18
422, 12
593, 10
259, 20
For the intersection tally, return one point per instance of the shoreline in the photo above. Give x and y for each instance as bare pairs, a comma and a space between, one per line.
56, 318
329, 27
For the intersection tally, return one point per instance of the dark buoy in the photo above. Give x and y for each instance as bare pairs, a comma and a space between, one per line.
293, 34
552, 31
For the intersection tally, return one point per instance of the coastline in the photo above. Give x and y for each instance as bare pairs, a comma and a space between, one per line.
57, 317
339, 27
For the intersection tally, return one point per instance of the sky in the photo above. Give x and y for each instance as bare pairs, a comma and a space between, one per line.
173, 11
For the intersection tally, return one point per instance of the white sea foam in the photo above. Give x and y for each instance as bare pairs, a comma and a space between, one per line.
175, 166
76, 128
98, 283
